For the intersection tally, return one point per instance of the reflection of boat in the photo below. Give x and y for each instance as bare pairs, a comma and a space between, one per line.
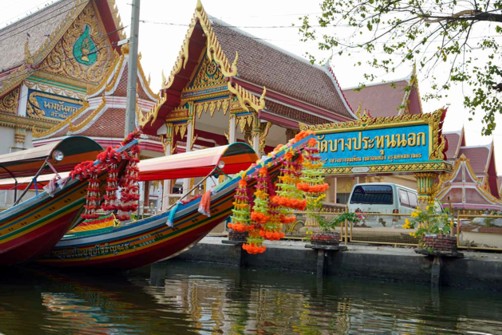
166, 234
32, 227
38, 301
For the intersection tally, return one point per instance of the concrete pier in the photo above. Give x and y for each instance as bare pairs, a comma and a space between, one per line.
475, 270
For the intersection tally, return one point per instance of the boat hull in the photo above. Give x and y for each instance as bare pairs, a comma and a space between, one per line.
33, 227
144, 241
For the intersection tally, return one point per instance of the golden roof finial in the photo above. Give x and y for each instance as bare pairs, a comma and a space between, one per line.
163, 83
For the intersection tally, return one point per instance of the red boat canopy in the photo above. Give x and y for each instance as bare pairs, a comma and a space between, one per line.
63, 155
235, 157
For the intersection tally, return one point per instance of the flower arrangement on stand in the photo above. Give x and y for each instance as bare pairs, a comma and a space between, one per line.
288, 197
433, 230
312, 181
240, 221
259, 214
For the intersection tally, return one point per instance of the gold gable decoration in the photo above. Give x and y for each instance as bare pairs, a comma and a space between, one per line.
8, 103
61, 59
212, 106
208, 75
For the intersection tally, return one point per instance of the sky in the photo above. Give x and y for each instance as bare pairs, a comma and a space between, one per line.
164, 25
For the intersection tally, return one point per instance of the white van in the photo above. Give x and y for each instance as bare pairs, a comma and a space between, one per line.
382, 198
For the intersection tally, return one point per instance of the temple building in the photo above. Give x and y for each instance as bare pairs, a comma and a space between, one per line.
228, 86
68, 76
472, 184
50, 60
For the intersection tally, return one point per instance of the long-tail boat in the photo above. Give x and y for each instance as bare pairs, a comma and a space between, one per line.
32, 227
134, 244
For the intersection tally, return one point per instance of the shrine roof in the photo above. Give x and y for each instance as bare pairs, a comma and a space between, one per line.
479, 157
455, 142
386, 99
279, 71
36, 34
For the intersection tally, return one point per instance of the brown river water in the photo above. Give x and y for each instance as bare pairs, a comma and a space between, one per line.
187, 298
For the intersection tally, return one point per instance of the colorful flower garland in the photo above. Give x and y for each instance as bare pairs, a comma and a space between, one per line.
301, 186
109, 161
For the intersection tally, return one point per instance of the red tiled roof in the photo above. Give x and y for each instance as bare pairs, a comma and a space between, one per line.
478, 158
279, 71
381, 100
454, 142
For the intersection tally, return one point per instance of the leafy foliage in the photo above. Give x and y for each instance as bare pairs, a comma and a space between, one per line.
461, 34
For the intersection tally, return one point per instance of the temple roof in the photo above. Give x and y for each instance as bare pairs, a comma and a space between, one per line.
387, 99
27, 42
260, 75
456, 140
279, 71
462, 189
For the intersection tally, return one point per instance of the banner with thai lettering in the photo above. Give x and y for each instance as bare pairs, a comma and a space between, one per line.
396, 145
47, 105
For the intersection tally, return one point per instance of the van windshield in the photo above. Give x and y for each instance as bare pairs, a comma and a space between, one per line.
372, 194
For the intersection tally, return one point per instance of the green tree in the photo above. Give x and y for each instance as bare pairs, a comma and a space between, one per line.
462, 35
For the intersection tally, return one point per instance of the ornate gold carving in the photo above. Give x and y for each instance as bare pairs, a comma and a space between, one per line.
244, 122
116, 65
152, 115
213, 50
394, 168
247, 99
208, 75
20, 135
13, 121
61, 59
220, 106
180, 128
27, 54
35, 85
263, 133
178, 114
89, 118
8, 103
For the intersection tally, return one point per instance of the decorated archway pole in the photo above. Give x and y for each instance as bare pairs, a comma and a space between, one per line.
426, 187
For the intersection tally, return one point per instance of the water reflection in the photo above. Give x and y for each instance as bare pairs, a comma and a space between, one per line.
234, 301
181, 298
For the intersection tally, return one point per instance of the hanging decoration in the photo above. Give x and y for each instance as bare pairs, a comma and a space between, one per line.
312, 178
110, 161
241, 212
289, 197
301, 186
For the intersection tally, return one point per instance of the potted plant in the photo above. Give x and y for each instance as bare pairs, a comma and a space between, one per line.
432, 229
327, 233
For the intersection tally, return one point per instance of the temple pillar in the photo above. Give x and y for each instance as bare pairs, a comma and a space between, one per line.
167, 141
425, 187
255, 135
189, 144
232, 129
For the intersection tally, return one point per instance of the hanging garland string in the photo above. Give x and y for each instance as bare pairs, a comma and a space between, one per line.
109, 162
300, 186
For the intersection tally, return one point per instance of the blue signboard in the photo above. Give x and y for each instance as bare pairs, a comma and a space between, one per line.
42, 104
366, 147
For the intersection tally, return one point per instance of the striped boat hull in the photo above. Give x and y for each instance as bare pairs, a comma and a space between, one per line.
145, 241
33, 227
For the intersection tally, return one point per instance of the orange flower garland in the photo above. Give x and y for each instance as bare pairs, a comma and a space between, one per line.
312, 179
240, 220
